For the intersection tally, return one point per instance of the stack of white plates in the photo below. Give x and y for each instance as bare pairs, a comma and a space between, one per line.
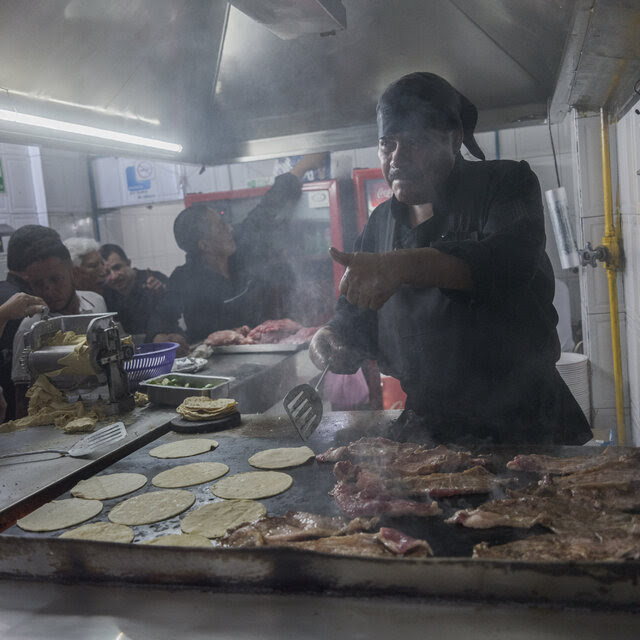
574, 369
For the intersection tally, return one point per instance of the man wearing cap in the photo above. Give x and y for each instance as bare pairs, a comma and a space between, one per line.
49, 270
449, 286
19, 243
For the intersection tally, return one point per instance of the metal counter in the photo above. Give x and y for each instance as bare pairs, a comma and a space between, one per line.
49, 611
261, 380
29, 481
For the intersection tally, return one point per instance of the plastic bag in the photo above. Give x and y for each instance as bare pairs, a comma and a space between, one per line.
345, 392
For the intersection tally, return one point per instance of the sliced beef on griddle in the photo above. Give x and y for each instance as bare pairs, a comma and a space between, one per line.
371, 501
336, 535
545, 464
605, 498
402, 457
608, 496
442, 485
476, 480
293, 526
560, 513
524, 512
385, 543
612, 544
622, 473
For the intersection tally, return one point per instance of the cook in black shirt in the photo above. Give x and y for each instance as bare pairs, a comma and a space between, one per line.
449, 287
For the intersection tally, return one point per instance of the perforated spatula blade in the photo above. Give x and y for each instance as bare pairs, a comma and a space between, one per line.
96, 440
303, 405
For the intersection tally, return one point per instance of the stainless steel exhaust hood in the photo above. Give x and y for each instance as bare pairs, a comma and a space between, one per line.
214, 76
293, 18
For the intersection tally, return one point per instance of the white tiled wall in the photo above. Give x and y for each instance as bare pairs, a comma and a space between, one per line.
628, 179
68, 197
594, 287
625, 163
146, 235
22, 202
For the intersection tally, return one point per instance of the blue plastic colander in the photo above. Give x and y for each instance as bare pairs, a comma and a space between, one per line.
150, 360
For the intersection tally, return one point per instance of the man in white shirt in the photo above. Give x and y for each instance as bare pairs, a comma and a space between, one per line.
50, 273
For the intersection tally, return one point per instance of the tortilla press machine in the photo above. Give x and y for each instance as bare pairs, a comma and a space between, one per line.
100, 375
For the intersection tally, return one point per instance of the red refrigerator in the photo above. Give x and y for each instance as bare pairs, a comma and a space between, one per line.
314, 225
371, 189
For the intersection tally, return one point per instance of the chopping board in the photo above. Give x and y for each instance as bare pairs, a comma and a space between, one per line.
181, 425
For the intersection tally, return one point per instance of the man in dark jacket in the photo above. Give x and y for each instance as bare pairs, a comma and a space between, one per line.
132, 293
450, 288
232, 276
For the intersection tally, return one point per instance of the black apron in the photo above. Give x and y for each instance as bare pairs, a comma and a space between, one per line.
461, 367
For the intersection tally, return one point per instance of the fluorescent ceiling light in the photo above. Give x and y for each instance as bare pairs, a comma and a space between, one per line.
76, 105
83, 130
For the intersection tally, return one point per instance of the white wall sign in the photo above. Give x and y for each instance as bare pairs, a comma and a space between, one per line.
140, 176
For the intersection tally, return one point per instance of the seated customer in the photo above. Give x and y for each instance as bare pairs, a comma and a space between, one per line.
134, 295
16, 282
50, 273
89, 272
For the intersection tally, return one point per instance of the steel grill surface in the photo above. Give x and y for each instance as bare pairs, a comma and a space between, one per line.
450, 573
312, 483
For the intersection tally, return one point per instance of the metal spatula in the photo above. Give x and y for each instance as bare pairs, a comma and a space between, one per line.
96, 440
303, 405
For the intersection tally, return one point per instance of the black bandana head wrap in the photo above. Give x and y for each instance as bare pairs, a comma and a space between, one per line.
425, 100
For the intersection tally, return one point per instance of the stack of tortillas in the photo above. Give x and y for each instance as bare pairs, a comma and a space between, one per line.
196, 408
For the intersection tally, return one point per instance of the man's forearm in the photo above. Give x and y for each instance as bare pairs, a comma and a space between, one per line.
370, 279
429, 267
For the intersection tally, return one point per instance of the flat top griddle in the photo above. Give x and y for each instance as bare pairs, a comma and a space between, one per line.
310, 491
451, 574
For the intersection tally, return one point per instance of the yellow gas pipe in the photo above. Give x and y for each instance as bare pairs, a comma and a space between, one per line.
612, 242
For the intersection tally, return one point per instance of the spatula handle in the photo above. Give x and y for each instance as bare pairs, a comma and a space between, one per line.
324, 373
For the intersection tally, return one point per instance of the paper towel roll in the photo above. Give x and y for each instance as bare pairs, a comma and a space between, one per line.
559, 213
